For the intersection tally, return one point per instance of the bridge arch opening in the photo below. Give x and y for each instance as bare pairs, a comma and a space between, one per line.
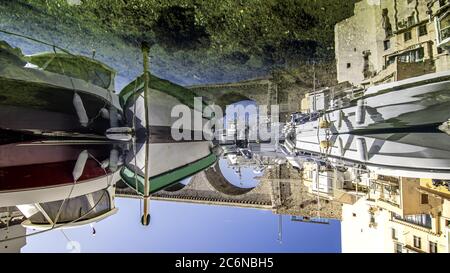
216, 178
231, 98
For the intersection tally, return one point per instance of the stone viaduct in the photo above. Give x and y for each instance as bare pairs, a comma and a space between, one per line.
280, 190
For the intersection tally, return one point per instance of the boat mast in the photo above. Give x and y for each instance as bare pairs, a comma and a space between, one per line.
146, 216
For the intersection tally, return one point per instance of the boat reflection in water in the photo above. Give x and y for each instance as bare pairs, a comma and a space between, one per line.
66, 138
181, 158
394, 188
56, 93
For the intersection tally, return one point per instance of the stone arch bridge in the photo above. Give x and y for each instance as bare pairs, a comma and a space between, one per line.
280, 190
261, 91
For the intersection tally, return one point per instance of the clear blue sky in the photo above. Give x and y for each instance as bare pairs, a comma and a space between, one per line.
178, 227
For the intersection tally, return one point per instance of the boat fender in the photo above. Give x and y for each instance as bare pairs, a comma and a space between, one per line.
119, 133
361, 147
113, 118
104, 113
340, 118
341, 146
360, 112
79, 165
105, 164
81, 111
113, 160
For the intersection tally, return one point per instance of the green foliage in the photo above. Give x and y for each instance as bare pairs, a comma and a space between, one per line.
200, 40
251, 26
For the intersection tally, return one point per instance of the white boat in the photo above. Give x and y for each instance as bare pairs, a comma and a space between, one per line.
416, 102
73, 212
60, 184
56, 92
422, 155
169, 159
47, 171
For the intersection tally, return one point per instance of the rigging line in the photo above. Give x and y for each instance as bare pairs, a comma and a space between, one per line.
73, 187
67, 238
74, 182
58, 226
54, 47
70, 193
63, 225
35, 40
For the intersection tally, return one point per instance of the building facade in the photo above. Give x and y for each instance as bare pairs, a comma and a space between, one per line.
392, 40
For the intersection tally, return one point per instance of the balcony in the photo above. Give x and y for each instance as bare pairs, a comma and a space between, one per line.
443, 30
421, 220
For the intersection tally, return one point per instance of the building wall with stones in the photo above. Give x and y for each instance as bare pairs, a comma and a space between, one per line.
384, 32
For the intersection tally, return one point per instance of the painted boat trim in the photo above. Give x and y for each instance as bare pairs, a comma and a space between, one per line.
167, 179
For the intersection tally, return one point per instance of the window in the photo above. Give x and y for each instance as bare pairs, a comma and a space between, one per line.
423, 30
394, 234
444, 27
433, 247
412, 56
387, 44
398, 248
411, 20
407, 35
417, 242
349, 65
424, 199
423, 220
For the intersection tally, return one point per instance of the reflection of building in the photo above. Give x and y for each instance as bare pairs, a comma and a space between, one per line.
280, 190
10, 227
392, 40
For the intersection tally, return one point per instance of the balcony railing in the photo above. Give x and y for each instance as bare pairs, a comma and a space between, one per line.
423, 220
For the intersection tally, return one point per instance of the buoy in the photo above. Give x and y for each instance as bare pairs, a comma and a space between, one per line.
81, 111
325, 144
360, 112
79, 165
145, 221
324, 124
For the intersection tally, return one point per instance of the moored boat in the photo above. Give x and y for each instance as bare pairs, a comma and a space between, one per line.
169, 159
422, 101
56, 92
422, 155
33, 171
